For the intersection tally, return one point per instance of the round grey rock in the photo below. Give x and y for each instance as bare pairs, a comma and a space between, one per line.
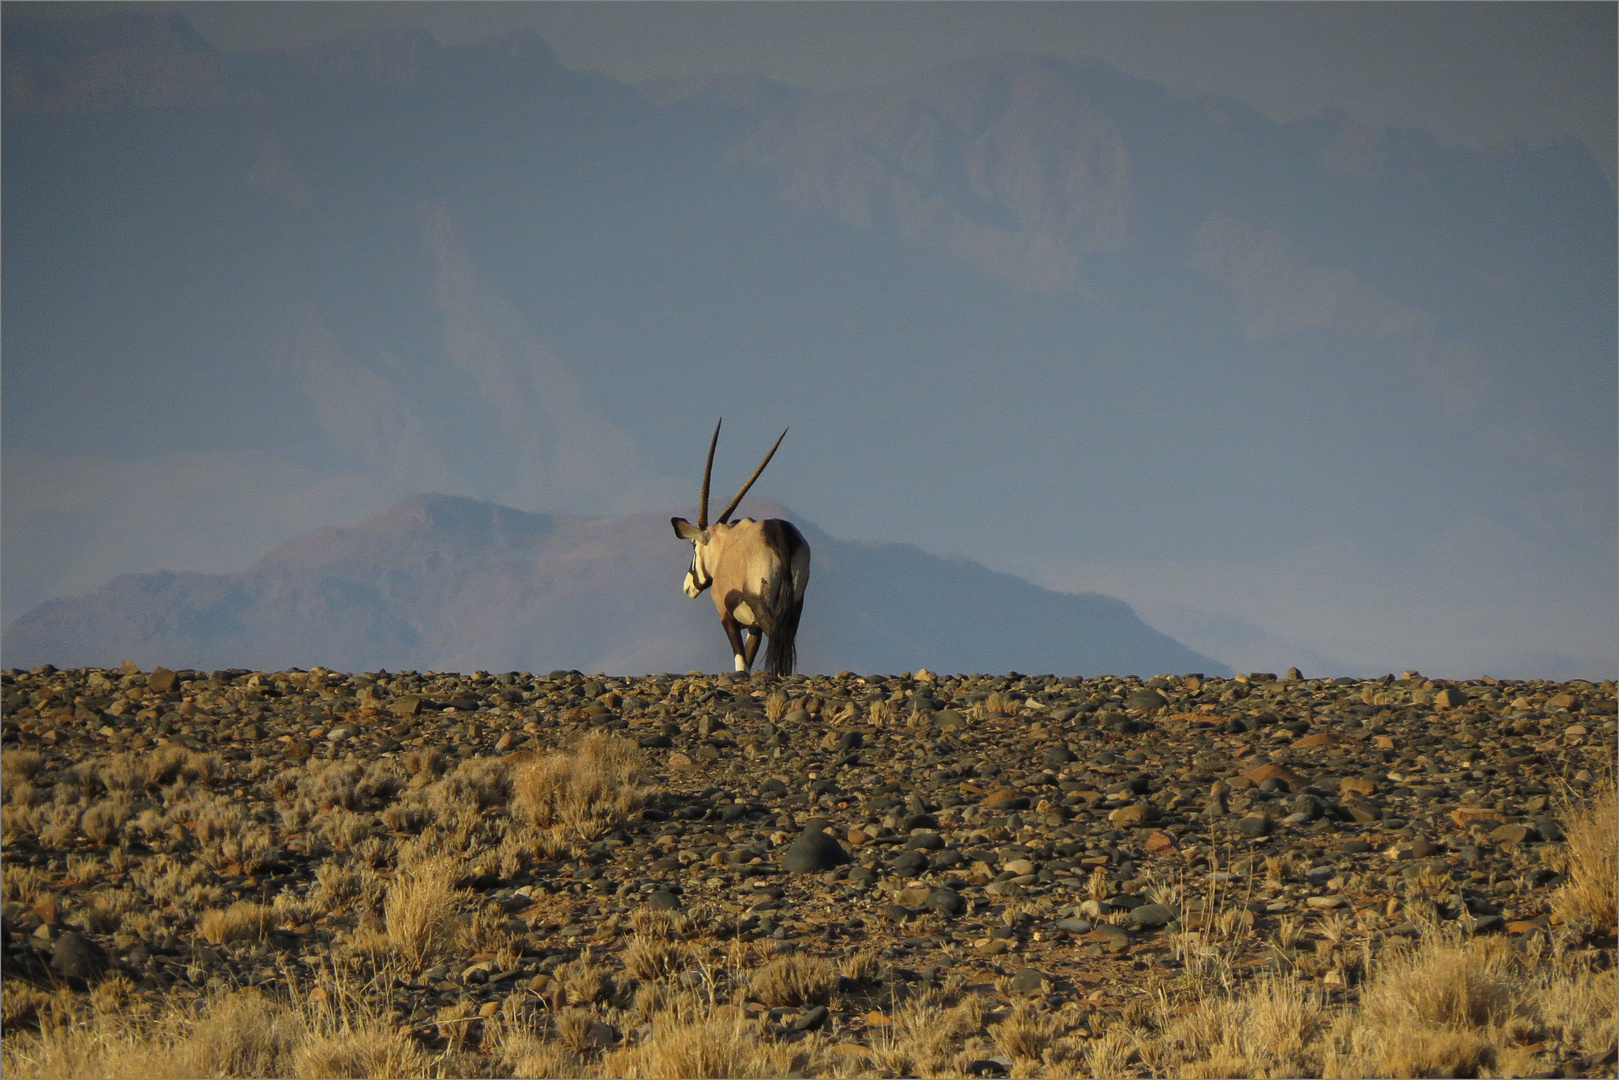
1029, 980
911, 863
1146, 700
77, 957
812, 1020
1256, 825
813, 853
1151, 916
945, 901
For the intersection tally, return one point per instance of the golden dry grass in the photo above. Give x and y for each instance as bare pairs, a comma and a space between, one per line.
1442, 1007
710, 1047
242, 921
586, 791
420, 909
1446, 1007
650, 959
797, 979
1592, 832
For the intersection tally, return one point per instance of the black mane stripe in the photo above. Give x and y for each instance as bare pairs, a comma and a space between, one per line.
784, 539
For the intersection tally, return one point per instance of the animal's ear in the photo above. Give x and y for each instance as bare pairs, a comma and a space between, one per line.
685, 529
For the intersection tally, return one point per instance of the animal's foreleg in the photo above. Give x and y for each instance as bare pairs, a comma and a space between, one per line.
733, 633
754, 634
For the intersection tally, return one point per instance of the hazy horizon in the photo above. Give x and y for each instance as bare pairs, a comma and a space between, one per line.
1306, 371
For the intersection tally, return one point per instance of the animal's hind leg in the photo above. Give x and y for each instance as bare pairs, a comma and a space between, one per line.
754, 634
733, 633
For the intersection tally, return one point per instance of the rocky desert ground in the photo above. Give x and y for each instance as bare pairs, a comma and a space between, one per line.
312, 873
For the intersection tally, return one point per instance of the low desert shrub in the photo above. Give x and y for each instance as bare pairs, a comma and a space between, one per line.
1592, 832
420, 908
709, 1047
797, 979
242, 921
586, 791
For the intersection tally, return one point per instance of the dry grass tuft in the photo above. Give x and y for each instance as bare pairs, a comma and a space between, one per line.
420, 909
585, 983
864, 966
1273, 1028
650, 958
587, 791
797, 979
1588, 897
1466, 985
710, 1047
242, 921
1027, 1033
367, 1051
238, 1034
918, 1039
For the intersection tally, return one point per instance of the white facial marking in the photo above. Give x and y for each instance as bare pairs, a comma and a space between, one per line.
691, 586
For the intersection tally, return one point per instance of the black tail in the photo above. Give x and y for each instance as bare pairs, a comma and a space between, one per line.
786, 605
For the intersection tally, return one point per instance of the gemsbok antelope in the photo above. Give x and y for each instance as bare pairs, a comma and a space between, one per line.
758, 570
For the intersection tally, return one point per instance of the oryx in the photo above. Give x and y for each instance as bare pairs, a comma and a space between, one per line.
758, 570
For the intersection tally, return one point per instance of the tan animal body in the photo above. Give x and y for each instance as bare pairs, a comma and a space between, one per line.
757, 569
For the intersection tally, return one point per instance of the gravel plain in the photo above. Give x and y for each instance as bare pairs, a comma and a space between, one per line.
1083, 845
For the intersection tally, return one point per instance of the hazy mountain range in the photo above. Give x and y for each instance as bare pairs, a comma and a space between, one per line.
1304, 390
453, 584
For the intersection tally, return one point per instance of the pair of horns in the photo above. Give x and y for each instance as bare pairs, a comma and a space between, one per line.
708, 469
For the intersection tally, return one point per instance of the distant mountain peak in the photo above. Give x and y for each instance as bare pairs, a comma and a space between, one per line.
1001, 162
388, 55
96, 58
452, 583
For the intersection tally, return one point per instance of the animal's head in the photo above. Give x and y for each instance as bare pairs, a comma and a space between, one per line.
702, 535
699, 577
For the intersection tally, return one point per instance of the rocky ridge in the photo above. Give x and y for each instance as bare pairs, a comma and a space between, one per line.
1070, 841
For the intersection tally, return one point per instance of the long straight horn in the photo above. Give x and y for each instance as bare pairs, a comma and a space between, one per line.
708, 470
723, 518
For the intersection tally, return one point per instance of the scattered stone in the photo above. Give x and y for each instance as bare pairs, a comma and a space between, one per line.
1152, 917
1006, 799
1146, 700
1112, 938
813, 1020
76, 957
1030, 980
1254, 825
1284, 776
1135, 814
1032, 815
1466, 815
1159, 841
1513, 834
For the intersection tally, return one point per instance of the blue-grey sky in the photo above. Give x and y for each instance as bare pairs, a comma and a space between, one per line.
1476, 74
1290, 324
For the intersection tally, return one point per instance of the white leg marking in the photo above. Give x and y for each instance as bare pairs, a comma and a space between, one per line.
739, 665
